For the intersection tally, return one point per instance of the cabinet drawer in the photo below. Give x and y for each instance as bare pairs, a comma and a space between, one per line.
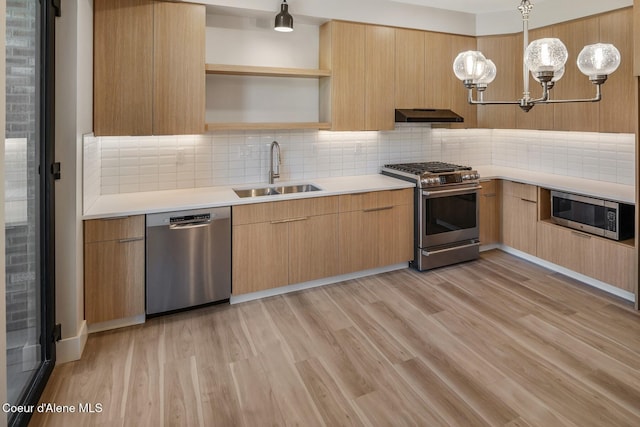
375, 200
277, 211
100, 230
523, 191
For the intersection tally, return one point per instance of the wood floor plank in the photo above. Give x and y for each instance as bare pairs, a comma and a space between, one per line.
182, 398
296, 338
295, 403
557, 389
497, 341
385, 342
334, 407
255, 394
220, 403
145, 397
449, 405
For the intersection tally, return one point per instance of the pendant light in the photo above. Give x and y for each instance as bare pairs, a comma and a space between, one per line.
545, 59
284, 20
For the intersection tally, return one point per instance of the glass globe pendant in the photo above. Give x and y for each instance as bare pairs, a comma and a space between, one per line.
545, 57
469, 66
598, 61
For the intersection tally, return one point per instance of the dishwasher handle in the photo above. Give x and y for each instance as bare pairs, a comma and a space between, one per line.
188, 225
190, 221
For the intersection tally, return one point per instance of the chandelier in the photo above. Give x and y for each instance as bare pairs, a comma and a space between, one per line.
545, 58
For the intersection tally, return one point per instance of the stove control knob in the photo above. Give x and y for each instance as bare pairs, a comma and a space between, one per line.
466, 176
476, 175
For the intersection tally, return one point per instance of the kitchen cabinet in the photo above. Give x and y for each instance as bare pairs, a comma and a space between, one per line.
636, 37
489, 212
376, 229
576, 116
442, 88
519, 216
410, 69
603, 259
114, 286
148, 68
281, 243
618, 110
360, 93
506, 52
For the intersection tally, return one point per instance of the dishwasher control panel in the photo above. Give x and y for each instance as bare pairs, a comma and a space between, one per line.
189, 218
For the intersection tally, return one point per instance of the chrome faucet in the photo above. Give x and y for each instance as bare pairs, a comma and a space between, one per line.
274, 172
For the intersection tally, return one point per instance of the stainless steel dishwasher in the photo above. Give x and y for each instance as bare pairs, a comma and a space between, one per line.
188, 259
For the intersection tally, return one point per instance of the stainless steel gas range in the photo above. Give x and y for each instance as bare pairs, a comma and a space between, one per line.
446, 212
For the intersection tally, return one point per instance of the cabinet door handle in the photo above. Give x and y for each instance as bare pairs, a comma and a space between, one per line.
132, 239
284, 221
384, 208
528, 201
490, 195
115, 218
584, 236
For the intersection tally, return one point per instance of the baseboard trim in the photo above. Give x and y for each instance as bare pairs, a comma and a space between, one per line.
629, 296
70, 349
314, 283
118, 323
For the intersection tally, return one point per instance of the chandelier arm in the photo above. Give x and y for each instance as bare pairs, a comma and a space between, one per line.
596, 98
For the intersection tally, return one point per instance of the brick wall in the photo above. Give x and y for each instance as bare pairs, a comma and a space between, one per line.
20, 240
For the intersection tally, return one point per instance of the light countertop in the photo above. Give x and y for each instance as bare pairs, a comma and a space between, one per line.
114, 205
196, 198
587, 187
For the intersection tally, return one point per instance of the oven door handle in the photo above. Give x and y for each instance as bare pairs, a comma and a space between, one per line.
428, 253
452, 192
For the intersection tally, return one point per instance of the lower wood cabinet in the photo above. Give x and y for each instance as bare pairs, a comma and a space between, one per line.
295, 241
519, 216
114, 268
490, 212
376, 229
281, 243
602, 259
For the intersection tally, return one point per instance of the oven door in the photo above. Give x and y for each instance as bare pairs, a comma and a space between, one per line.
449, 216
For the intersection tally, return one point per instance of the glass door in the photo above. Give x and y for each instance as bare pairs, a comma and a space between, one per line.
29, 273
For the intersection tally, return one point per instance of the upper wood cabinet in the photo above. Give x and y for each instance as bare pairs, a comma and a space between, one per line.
576, 116
360, 92
410, 69
442, 88
506, 52
148, 67
178, 68
618, 111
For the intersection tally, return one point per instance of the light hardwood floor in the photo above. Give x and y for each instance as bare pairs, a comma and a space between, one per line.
494, 342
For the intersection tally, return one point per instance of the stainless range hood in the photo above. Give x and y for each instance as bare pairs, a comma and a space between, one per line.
427, 115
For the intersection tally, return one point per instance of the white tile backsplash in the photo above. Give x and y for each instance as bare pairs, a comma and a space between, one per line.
130, 164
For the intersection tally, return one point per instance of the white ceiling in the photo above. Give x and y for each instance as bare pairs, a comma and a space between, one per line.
469, 6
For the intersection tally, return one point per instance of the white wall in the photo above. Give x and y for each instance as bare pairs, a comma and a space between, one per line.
546, 13
3, 317
386, 12
74, 63
252, 41
370, 11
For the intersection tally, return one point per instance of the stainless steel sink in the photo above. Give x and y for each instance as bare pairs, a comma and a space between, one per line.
302, 188
271, 191
256, 192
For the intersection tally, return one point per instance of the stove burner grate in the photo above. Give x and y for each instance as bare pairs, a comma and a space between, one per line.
424, 167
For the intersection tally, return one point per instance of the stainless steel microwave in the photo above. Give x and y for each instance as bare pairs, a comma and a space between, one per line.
596, 216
